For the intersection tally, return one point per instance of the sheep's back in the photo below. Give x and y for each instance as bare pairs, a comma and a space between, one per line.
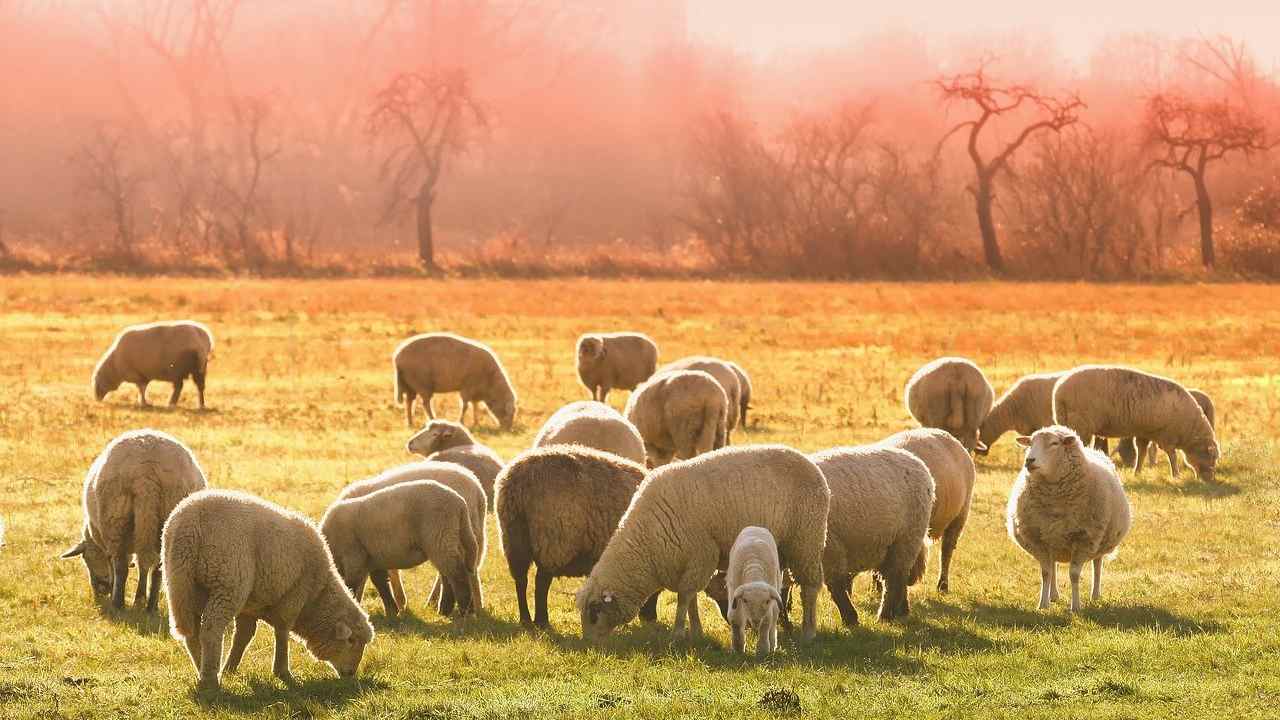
950, 466
447, 362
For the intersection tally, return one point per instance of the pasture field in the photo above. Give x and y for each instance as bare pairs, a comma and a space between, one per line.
300, 395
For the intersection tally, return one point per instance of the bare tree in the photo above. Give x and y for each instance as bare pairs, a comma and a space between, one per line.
1050, 112
240, 183
105, 175
427, 117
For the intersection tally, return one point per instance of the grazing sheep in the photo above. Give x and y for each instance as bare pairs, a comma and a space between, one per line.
953, 477
724, 374
231, 556
557, 508
754, 584
1127, 449
951, 393
1113, 401
881, 499
1067, 505
744, 393
609, 361
679, 414
1024, 408
129, 492
595, 425
448, 441
444, 362
683, 522
163, 351
403, 526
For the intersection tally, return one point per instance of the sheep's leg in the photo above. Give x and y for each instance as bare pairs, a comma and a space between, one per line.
950, 537
1075, 585
740, 635
1172, 452
541, 586
383, 585
409, 398
518, 562
120, 576
142, 394
809, 602
894, 602
153, 598
1141, 452
426, 403
437, 590
177, 392
1100, 444
1046, 582
695, 619
766, 636
683, 600
1053, 581
198, 378
246, 626
840, 589
604, 393
140, 593
217, 615
649, 610
448, 599
397, 589
280, 665
1097, 578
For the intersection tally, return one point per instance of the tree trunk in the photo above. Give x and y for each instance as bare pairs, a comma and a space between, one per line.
1205, 206
984, 196
426, 238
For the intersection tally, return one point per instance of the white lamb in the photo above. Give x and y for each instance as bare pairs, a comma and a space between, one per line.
754, 580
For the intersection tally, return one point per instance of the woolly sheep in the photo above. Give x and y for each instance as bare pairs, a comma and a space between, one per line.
444, 362
1024, 408
129, 492
1114, 401
744, 392
1067, 505
557, 508
595, 425
1127, 448
683, 522
951, 393
231, 556
953, 477
609, 361
754, 584
448, 441
163, 351
679, 414
403, 526
723, 374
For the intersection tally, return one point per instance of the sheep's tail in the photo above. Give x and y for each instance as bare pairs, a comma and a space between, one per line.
919, 566
401, 386
471, 556
955, 406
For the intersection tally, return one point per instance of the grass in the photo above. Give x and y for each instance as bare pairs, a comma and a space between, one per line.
301, 404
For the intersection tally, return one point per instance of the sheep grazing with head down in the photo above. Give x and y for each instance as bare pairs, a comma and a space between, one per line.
444, 362
594, 425
1024, 408
129, 492
1127, 448
615, 361
1113, 401
724, 374
162, 351
448, 441
952, 394
754, 585
679, 414
229, 556
1067, 506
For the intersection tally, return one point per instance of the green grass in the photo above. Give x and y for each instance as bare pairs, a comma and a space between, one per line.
301, 404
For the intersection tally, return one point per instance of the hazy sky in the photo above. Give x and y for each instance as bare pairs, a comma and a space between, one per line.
763, 26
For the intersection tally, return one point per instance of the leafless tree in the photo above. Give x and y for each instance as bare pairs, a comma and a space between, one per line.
106, 175
239, 181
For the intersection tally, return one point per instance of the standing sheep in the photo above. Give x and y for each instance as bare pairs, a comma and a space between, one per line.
230, 556
444, 362
1113, 401
679, 414
953, 477
724, 374
1067, 505
595, 425
1024, 408
1127, 449
448, 441
683, 522
609, 361
951, 393
129, 492
754, 584
164, 351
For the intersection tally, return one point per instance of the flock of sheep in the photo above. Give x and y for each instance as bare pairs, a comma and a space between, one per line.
646, 500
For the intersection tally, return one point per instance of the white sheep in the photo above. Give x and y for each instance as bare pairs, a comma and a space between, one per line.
164, 351
444, 362
754, 585
448, 441
724, 374
229, 556
594, 425
1067, 505
1127, 448
951, 393
609, 361
679, 414
1024, 408
129, 492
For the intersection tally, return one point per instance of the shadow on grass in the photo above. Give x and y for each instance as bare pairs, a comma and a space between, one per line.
136, 618
432, 625
265, 692
1194, 488
1115, 617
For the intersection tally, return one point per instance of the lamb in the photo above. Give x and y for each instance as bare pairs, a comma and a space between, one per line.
951, 393
595, 425
724, 374
744, 392
231, 556
1114, 401
444, 362
608, 361
1067, 505
953, 477
129, 492
683, 521
679, 414
754, 582
163, 351
1024, 408
448, 441
403, 526
1127, 448
557, 508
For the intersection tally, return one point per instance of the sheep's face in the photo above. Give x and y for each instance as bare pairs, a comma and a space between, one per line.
103, 383
590, 350
755, 605
438, 435
1204, 458
1046, 450
504, 409
96, 562
342, 646
601, 612
987, 436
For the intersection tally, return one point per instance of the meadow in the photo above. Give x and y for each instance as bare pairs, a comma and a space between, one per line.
300, 398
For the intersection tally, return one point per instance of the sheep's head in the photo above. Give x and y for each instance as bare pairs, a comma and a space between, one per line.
96, 562
105, 379
1047, 448
601, 611
988, 434
755, 605
439, 435
503, 407
1204, 458
590, 350
341, 643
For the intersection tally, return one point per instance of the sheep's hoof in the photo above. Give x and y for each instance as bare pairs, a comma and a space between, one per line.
943, 587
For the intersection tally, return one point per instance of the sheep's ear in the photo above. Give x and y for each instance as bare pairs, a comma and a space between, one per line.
777, 597
1024, 441
341, 631
1069, 440
75, 551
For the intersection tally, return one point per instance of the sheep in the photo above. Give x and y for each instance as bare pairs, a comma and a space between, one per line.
595, 425
1115, 401
129, 491
723, 374
1067, 505
754, 582
683, 521
557, 508
1127, 449
448, 441
951, 393
444, 362
452, 476
679, 414
232, 556
744, 392
164, 351
953, 477
609, 361
402, 526
1024, 408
